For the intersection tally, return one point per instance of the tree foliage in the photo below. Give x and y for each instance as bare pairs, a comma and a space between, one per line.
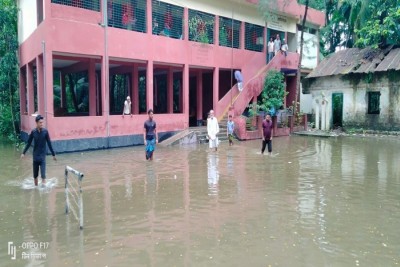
9, 98
273, 93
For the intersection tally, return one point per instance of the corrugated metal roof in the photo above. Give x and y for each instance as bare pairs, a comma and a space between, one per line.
355, 60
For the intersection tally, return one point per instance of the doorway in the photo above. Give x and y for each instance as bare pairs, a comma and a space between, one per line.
337, 110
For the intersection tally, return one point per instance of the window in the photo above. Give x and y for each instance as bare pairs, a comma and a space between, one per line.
120, 88
127, 14
86, 4
167, 20
229, 32
254, 37
373, 102
201, 27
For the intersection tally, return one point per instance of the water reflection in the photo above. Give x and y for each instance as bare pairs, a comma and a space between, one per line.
213, 173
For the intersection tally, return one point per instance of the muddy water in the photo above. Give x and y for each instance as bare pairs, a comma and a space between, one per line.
314, 202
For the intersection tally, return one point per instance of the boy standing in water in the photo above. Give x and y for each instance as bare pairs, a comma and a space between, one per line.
267, 134
41, 136
150, 135
230, 127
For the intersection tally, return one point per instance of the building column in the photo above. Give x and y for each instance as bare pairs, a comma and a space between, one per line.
92, 87
216, 90
242, 35
149, 20
170, 91
216, 30
149, 85
186, 22
40, 84
265, 42
22, 93
185, 107
199, 97
30, 88
135, 89
48, 85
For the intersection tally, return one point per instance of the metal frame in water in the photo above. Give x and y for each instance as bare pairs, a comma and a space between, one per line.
78, 194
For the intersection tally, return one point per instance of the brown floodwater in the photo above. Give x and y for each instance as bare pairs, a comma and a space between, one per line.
314, 202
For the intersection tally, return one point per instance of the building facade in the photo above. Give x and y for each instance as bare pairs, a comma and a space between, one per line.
357, 88
80, 59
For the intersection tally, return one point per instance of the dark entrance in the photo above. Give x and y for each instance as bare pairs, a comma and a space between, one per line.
337, 110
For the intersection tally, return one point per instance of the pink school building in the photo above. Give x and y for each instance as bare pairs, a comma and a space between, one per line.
80, 59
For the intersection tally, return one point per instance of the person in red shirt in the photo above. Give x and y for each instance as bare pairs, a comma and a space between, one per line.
267, 134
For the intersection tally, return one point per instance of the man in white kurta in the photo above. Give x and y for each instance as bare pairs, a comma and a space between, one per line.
212, 130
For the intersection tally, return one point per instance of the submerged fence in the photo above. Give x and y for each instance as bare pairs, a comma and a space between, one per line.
73, 192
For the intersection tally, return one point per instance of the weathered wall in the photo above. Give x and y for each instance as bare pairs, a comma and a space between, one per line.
355, 90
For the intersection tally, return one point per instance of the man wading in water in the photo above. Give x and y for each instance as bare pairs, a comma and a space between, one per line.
150, 135
41, 136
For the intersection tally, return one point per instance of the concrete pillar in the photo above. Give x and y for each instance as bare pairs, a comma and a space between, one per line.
242, 35
149, 20
40, 84
186, 23
216, 30
135, 89
170, 91
199, 97
216, 90
22, 92
92, 87
323, 115
149, 86
186, 94
317, 114
48, 88
30, 89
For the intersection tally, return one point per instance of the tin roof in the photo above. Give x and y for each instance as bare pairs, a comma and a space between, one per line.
355, 60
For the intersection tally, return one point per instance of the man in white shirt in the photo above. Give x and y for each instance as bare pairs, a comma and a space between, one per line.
212, 131
127, 107
270, 49
284, 47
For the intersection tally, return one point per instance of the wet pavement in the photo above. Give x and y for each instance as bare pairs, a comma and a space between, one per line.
314, 202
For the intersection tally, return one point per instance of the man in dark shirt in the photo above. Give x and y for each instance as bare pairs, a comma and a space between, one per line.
41, 136
267, 134
150, 135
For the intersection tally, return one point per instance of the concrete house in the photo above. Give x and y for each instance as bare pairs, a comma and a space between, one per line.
357, 88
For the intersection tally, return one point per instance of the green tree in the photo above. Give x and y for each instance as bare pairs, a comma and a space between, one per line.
9, 98
266, 7
273, 93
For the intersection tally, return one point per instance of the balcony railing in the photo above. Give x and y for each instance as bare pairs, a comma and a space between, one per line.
201, 27
127, 14
229, 32
86, 4
167, 20
254, 37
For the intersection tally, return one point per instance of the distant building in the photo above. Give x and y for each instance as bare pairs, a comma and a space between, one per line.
80, 59
357, 88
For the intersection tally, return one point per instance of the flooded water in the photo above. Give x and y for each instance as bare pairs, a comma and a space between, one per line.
314, 202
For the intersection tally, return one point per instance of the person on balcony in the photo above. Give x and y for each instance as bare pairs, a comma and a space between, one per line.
277, 44
127, 107
271, 51
212, 131
239, 80
284, 48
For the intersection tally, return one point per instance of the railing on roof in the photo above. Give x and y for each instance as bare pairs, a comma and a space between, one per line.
201, 27
86, 4
127, 14
254, 37
167, 20
229, 32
